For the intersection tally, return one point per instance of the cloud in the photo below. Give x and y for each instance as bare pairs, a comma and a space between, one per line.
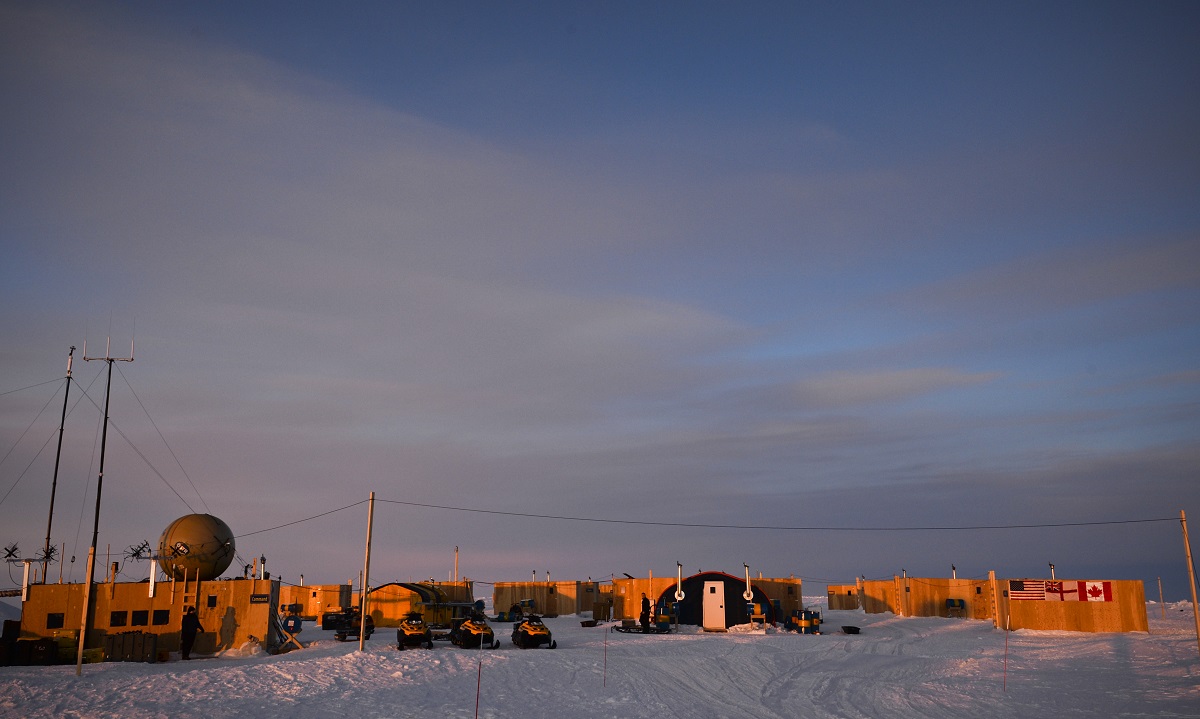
1061, 280
840, 389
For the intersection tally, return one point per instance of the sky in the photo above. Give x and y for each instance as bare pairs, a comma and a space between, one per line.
592, 289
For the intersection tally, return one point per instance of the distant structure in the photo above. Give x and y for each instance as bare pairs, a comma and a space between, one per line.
196, 544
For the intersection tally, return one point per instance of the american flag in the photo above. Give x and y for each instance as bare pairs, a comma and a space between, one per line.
1026, 589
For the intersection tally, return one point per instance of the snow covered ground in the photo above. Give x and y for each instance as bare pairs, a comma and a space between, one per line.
895, 667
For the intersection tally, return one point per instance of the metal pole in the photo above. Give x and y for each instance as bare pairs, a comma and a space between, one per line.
1187, 548
91, 563
362, 629
58, 456
1160, 599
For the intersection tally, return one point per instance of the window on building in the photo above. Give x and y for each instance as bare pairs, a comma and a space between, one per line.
54, 620
161, 617
117, 619
791, 590
139, 618
212, 601
979, 590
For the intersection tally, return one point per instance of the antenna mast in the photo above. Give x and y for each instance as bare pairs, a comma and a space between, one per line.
84, 623
58, 456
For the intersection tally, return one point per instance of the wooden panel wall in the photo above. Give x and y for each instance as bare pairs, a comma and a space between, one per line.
1125, 613
242, 609
842, 596
550, 599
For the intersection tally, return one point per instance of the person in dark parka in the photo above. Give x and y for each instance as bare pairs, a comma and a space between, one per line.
188, 630
645, 615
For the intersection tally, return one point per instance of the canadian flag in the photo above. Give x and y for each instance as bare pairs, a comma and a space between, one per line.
1095, 591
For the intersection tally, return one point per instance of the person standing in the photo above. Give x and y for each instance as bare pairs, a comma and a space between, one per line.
645, 616
189, 627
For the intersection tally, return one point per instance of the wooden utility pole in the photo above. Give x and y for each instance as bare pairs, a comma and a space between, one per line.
1187, 548
366, 581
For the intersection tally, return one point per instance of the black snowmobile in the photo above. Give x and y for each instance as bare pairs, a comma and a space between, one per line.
414, 632
473, 632
531, 632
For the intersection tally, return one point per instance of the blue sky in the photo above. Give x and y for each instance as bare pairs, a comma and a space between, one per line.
792, 265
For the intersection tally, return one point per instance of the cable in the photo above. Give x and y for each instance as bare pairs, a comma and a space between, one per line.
138, 452
164, 439
775, 527
32, 386
26, 470
298, 521
31, 423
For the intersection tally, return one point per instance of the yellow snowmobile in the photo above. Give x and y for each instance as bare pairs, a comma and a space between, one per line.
414, 632
472, 632
531, 632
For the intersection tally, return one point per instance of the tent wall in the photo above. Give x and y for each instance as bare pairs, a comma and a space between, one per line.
1124, 612
881, 596
842, 596
317, 599
627, 594
989, 600
787, 592
550, 599
926, 597
389, 603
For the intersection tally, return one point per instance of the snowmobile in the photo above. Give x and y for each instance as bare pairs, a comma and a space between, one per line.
414, 632
352, 628
531, 632
472, 632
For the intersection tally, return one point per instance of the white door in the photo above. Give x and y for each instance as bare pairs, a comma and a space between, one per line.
714, 606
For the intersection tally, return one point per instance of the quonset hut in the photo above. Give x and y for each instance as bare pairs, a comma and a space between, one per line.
713, 600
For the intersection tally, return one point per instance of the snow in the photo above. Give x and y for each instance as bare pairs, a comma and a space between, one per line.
896, 667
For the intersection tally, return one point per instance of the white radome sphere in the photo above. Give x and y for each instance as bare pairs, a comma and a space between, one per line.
196, 543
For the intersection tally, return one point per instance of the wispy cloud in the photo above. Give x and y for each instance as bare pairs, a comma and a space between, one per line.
837, 389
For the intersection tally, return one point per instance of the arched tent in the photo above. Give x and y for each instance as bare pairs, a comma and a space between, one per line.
389, 603
691, 609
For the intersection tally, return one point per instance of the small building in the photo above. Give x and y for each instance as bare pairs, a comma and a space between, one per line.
1043, 604
232, 612
550, 599
842, 596
927, 597
312, 601
1072, 605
